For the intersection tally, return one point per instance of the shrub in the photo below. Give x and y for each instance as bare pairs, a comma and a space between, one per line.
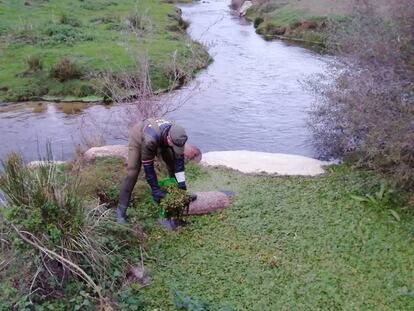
26, 34
139, 21
34, 63
44, 212
258, 21
64, 33
65, 69
66, 20
53, 237
178, 23
367, 109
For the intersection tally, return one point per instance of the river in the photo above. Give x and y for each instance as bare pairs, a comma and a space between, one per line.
250, 98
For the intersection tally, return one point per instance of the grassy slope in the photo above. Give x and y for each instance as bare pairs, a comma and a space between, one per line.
282, 14
101, 48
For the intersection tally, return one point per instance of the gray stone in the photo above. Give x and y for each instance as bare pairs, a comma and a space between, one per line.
191, 152
138, 274
117, 151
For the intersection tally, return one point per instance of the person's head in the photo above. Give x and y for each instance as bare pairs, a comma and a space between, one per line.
176, 138
192, 153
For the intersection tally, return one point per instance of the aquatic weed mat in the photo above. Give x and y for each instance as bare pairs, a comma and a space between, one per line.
287, 243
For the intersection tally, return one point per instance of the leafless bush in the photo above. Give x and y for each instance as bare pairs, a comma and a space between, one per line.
367, 108
131, 88
140, 22
133, 92
65, 69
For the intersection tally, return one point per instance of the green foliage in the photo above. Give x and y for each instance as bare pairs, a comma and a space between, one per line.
381, 199
176, 201
286, 243
257, 21
128, 299
187, 303
64, 34
39, 202
44, 215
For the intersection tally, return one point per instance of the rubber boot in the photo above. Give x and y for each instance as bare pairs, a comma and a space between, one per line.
121, 216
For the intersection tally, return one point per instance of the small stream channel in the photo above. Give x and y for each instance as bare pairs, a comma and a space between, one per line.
249, 98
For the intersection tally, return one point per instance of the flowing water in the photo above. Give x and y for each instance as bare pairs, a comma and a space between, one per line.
250, 98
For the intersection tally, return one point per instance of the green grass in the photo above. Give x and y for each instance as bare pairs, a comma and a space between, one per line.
278, 18
286, 244
91, 33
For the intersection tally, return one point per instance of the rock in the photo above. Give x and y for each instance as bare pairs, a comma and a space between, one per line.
138, 274
236, 4
191, 152
243, 9
36, 164
208, 202
262, 162
116, 151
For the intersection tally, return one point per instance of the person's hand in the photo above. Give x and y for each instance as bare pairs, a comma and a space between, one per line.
182, 185
158, 195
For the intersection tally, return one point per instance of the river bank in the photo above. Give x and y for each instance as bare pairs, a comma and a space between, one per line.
61, 50
297, 21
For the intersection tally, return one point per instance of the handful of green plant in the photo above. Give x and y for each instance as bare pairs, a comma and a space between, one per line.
176, 202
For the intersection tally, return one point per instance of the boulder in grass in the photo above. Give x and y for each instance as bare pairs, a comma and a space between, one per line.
208, 202
243, 9
138, 274
114, 151
191, 152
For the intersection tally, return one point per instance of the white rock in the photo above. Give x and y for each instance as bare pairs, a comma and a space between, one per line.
118, 151
262, 162
191, 152
243, 9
